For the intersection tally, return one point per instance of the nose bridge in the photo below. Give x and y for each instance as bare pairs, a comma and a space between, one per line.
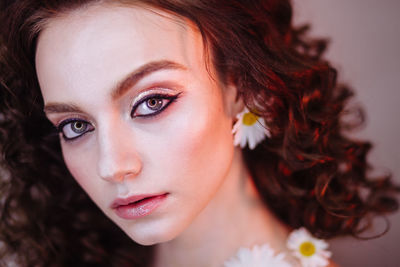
118, 157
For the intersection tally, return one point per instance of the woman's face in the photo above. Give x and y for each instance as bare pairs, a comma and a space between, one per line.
139, 115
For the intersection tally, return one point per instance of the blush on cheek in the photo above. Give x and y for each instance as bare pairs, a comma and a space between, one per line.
69, 161
79, 167
204, 141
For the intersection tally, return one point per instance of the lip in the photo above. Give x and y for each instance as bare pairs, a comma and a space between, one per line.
137, 206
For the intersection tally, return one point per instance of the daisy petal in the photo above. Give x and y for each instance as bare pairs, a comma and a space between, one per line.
249, 129
258, 256
309, 250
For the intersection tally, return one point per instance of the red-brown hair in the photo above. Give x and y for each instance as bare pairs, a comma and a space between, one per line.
308, 173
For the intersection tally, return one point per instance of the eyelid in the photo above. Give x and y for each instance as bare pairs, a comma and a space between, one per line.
71, 116
151, 92
162, 93
62, 124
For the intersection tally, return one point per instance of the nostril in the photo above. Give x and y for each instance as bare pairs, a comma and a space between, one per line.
119, 176
130, 175
124, 173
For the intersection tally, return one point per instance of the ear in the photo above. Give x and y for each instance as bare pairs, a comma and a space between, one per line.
233, 102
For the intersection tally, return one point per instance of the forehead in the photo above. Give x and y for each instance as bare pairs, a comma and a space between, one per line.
77, 48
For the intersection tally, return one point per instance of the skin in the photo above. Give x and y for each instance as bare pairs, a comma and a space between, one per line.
186, 150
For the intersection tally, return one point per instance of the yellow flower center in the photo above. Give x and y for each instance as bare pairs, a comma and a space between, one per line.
307, 249
249, 119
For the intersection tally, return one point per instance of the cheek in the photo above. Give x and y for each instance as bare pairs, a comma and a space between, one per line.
82, 167
74, 163
200, 146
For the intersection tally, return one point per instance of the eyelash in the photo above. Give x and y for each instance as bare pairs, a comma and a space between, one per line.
158, 96
64, 123
170, 98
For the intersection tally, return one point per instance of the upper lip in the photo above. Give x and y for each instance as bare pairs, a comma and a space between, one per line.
128, 200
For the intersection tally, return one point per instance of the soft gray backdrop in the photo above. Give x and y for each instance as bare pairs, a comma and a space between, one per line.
365, 44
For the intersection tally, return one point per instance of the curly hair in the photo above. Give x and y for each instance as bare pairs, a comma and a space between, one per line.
309, 173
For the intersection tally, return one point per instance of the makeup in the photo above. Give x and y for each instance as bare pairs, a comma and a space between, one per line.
74, 128
137, 206
167, 132
142, 107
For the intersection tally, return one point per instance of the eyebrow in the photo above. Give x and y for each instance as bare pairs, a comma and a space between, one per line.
135, 76
61, 108
122, 87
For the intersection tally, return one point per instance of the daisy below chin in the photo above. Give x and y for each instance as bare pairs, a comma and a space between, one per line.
258, 256
311, 252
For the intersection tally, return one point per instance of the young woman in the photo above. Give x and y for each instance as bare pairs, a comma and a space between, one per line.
209, 132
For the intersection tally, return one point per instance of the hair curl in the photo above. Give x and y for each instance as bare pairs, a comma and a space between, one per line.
308, 173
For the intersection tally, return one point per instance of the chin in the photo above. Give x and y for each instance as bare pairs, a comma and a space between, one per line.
152, 233
152, 239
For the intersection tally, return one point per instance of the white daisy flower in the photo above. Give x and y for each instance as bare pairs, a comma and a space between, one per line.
311, 252
259, 256
249, 129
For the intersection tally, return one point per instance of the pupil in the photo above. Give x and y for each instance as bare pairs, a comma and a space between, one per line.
154, 103
78, 127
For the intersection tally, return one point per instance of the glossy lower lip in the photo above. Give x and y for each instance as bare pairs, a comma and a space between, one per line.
140, 208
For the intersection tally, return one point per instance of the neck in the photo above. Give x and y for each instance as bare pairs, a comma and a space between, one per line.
236, 217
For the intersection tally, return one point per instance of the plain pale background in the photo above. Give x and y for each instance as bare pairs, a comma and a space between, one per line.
364, 47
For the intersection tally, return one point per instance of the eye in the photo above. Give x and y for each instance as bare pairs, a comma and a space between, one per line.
74, 128
152, 105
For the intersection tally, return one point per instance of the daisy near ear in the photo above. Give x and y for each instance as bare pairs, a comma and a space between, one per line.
311, 252
249, 129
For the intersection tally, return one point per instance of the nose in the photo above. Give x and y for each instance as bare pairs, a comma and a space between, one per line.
118, 158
